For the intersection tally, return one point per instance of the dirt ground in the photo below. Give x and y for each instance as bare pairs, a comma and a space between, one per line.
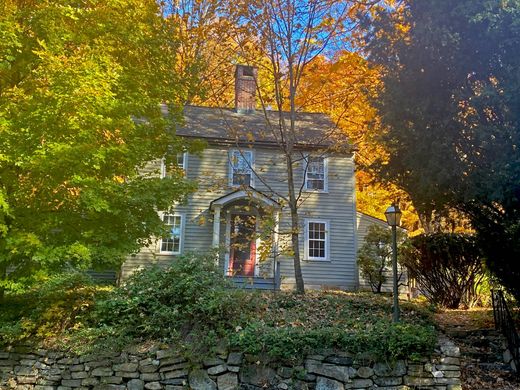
481, 349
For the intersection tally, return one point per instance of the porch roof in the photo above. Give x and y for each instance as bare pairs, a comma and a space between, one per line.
248, 193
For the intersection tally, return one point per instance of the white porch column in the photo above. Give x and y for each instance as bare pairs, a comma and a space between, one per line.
216, 226
277, 277
275, 233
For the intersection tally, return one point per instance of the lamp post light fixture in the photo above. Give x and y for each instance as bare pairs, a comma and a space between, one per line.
393, 218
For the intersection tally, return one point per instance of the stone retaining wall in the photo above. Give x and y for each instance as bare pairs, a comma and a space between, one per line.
164, 369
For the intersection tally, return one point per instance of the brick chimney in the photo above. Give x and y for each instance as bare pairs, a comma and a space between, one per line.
245, 88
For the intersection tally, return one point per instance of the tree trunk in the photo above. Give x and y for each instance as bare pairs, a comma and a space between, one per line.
295, 228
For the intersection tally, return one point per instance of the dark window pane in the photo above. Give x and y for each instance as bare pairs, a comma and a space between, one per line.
180, 160
241, 179
241, 164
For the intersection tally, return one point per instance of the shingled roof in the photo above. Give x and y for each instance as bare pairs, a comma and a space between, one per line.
313, 130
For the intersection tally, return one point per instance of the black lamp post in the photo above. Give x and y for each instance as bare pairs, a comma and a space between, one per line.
393, 217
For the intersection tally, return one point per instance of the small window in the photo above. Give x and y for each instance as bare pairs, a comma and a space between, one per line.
181, 162
316, 174
241, 168
316, 240
172, 242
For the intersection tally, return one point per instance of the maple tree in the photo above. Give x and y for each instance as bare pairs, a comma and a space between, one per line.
80, 92
343, 87
204, 31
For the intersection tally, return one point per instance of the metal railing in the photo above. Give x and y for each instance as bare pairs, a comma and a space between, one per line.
504, 323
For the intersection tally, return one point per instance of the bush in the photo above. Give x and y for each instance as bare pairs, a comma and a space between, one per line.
383, 341
190, 300
498, 233
191, 305
48, 311
375, 255
447, 266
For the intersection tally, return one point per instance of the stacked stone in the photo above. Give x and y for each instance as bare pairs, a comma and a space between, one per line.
508, 356
339, 372
159, 369
48, 370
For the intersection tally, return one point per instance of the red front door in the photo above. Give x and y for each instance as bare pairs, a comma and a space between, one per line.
242, 257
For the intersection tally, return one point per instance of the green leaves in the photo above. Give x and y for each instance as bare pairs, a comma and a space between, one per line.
4, 214
189, 302
361, 326
46, 312
80, 93
192, 305
374, 256
450, 108
434, 74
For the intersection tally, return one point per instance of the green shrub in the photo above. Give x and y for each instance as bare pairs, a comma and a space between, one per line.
56, 306
400, 341
384, 341
375, 255
191, 304
188, 300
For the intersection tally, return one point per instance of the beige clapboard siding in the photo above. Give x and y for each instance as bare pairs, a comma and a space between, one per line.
337, 207
211, 170
364, 221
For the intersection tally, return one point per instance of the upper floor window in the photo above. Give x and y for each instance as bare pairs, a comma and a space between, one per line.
241, 167
171, 243
316, 174
316, 239
181, 162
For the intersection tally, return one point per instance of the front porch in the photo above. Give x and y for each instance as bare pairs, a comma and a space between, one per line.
245, 231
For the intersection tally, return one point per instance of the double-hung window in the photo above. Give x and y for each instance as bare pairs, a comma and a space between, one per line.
316, 239
171, 243
241, 167
180, 162
316, 174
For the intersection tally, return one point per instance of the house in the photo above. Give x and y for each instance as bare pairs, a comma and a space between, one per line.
240, 208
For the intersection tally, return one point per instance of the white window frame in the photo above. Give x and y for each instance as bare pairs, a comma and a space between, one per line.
325, 174
184, 165
307, 221
230, 165
181, 235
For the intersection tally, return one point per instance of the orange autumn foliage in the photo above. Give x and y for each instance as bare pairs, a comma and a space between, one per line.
213, 42
341, 87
